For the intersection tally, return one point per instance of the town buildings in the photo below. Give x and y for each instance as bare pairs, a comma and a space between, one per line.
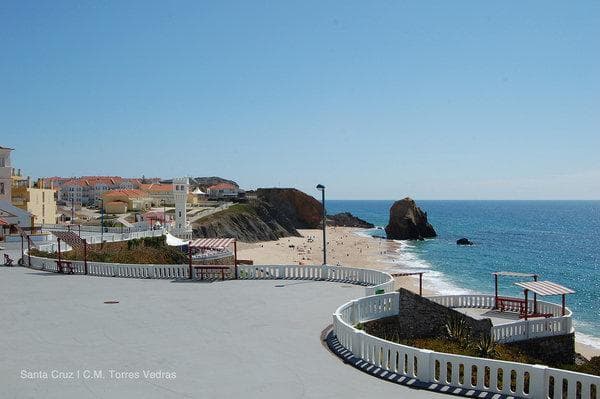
88, 190
161, 194
126, 200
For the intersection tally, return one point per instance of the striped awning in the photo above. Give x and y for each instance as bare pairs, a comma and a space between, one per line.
212, 243
545, 288
3, 222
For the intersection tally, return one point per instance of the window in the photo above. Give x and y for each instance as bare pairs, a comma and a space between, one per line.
1, 188
2, 162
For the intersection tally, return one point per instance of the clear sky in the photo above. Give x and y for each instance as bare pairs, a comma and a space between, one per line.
376, 100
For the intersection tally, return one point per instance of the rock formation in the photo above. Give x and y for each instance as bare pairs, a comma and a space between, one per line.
304, 211
464, 241
408, 222
346, 219
275, 213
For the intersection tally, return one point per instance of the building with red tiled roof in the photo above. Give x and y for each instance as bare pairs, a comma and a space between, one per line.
87, 190
135, 200
223, 191
161, 194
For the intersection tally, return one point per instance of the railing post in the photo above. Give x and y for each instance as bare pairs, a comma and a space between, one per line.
324, 272
357, 340
538, 388
424, 365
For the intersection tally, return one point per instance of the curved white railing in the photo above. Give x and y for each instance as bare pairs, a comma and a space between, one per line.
469, 373
558, 324
374, 280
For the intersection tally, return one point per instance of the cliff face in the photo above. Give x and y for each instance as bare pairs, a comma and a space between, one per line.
255, 221
408, 222
276, 213
302, 210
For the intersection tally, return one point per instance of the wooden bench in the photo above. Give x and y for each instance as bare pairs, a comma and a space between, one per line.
63, 265
510, 304
208, 270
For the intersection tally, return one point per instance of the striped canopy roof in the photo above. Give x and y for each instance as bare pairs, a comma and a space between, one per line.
545, 288
3, 222
212, 243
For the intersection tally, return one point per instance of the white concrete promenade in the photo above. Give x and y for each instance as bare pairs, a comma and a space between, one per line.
230, 339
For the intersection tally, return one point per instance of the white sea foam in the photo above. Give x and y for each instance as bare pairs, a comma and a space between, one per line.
404, 259
585, 339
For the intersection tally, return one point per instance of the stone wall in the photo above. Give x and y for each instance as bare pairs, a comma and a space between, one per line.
553, 351
421, 318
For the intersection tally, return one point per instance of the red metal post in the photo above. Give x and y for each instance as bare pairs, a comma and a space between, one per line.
526, 304
421, 284
85, 265
190, 258
563, 304
235, 258
496, 291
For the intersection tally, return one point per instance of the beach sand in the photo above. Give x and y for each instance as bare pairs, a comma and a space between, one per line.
346, 248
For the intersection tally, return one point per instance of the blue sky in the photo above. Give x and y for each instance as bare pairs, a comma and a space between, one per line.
375, 100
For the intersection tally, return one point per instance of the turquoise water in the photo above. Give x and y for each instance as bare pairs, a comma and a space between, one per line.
560, 240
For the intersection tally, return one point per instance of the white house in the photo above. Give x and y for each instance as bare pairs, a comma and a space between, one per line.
223, 191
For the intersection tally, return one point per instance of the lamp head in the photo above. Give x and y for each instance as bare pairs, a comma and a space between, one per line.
320, 187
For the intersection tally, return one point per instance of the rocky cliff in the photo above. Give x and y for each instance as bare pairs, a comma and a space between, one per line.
275, 213
251, 222
303, 211
408, 222
346, 219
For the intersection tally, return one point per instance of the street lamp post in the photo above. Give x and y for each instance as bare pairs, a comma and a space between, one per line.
321, 188
101, 221
164, 226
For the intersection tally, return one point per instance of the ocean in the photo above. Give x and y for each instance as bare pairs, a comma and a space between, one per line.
559, 240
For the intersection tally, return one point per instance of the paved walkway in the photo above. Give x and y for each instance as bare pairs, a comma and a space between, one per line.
251, 339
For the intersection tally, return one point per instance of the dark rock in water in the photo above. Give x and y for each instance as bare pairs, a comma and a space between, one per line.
346, 219
408, 222
464, 241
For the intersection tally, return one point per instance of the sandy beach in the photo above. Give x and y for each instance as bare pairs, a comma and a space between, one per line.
344, 247
347, 248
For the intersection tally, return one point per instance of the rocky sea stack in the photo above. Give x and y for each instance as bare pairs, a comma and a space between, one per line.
408, 222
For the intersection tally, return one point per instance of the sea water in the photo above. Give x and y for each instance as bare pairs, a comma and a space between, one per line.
559, 240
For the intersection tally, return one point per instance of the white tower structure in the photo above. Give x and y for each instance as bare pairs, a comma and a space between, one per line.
5, 175
181, 188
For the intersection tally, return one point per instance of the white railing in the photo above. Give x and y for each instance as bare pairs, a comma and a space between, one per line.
94, 229
519, 330
465, 372
114, 269
374, 280
52, 246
